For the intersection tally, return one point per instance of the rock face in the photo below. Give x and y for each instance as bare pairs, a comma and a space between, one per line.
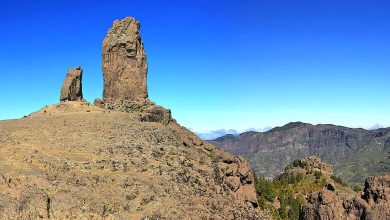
72, 87
234, 173
152, 112
345, 148
125, 71
316, 163
124, 62
373, 204
377, 188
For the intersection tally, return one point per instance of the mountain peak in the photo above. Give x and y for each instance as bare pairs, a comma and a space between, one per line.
288, 126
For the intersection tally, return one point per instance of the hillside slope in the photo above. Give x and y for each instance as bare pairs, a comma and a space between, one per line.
73, 160
355, 153
308, 189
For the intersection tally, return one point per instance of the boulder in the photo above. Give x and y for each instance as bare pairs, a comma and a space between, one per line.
236, 174
233, 182
72, 87
98, 102
124, 62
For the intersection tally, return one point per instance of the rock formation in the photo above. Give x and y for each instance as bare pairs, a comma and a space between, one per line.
316, 163
125, 73
99, 103
124, 62
72, 87
329, 204
122, 158
321, 195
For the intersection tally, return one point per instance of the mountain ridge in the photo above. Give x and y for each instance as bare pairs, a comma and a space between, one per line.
268, 152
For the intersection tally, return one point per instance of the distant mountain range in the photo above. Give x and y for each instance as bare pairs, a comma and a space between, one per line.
354, 152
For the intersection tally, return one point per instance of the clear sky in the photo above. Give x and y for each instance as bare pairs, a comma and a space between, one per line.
216, 64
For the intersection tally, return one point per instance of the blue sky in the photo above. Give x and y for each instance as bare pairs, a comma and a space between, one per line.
215, 64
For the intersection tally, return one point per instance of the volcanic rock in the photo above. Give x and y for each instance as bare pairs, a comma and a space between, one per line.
377, 189
72, 87
78, 161
99, 102
125, 73
316, 163
122, 158
124, 62
373, 204
151, 111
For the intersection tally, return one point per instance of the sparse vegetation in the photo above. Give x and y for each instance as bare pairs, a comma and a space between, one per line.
284, 189
265, 191
289, 206
338, 180
357, 188
291, 178
283, 196
296, 163
318, 174
286, 127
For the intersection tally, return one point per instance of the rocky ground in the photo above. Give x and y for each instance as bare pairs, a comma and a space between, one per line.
78, 161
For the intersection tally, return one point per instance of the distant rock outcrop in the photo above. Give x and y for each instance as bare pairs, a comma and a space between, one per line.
373, 204
124, 62
72, 87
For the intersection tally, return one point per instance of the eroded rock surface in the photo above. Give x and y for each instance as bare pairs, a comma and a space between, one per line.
125, 73
152, 112
72, 87
124, 62
74, 160
373, 204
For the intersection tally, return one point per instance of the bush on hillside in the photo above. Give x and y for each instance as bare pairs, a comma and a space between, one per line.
318, 174
338, 180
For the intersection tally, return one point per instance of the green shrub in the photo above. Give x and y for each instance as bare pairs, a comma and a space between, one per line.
289, 206
338, 180
291, 178
298, 163
265, 189
318, 174
357, 189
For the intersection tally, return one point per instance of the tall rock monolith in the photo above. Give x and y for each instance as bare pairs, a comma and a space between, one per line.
124, 62
72, 87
